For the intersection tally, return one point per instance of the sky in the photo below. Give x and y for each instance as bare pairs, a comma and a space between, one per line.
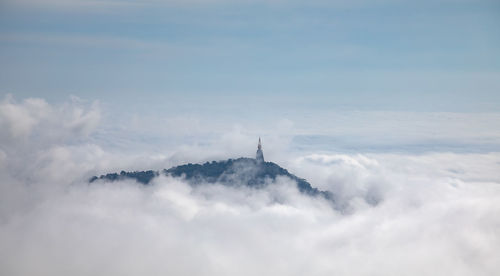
331, 64
348, 55
398, 99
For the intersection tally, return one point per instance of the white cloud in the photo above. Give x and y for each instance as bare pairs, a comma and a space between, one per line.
437, 214
34, 116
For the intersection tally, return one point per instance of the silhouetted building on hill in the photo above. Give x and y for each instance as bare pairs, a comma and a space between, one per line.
259, 157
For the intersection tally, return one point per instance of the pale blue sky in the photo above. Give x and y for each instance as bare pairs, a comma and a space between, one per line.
251, 62
376, 55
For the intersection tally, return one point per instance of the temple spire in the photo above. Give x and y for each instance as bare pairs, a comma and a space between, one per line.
259, 157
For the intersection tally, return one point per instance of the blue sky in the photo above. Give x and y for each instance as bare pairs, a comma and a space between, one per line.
250, 62
431, 55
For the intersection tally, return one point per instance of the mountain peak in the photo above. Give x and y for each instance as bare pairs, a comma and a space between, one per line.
254, 173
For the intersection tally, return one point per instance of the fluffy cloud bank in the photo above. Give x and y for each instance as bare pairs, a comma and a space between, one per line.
437, 213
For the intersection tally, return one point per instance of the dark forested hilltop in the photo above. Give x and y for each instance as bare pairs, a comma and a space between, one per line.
250, 172
232, 172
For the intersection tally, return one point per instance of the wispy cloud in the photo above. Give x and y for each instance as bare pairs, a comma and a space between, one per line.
81, 40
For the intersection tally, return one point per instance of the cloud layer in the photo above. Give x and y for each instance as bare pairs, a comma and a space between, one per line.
437, 212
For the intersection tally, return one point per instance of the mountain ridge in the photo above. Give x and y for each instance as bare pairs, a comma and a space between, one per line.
249, 172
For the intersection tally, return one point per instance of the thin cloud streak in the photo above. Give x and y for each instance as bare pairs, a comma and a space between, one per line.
75, 40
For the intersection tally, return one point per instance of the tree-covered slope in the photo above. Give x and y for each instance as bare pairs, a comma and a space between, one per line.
231, 172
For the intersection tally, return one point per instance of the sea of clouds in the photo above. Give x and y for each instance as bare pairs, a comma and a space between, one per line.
436, 213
